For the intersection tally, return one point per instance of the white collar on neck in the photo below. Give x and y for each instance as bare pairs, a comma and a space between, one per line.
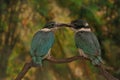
85, 29
45, 29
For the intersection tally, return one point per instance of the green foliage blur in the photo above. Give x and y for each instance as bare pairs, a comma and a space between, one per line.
20, 19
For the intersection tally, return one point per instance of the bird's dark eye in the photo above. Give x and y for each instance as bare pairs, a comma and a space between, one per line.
75, 24
51, 25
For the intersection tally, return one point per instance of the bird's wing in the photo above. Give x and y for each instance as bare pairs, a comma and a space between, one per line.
41, 43
34, 42
96, 42
87, 42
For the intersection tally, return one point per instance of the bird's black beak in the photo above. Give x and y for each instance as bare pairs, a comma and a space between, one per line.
63, 24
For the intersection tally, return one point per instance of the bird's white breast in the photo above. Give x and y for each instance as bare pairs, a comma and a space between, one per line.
45, 29
85, 29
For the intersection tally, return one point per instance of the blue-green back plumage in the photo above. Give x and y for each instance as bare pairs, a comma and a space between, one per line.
88, 42
41, 43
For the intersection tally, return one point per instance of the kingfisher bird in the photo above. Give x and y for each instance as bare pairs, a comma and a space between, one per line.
42, 42
88, 45
86, 41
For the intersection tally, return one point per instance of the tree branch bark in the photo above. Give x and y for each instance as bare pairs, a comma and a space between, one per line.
27, 66
65, 60
25, 69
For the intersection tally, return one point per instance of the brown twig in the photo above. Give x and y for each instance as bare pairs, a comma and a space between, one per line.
65, 60
27, 66
25, 69
106, 74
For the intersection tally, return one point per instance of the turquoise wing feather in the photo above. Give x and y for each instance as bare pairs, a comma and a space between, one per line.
41, 43
88, 42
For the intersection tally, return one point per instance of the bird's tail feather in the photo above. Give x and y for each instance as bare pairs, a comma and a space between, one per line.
98, 60
37, 61
106, 74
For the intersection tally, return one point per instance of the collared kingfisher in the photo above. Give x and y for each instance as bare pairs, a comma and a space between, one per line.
42, 42
88, 45
86, 41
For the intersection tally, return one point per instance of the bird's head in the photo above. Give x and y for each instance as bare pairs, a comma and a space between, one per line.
78, 24
50, 25
53, 25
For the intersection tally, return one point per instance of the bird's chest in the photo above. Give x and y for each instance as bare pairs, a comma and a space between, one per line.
84, 41
47, 35
82, 37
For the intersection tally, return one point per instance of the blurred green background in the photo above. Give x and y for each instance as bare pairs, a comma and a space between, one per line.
20, 19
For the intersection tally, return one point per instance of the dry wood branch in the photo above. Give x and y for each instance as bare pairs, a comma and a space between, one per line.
106, 74
65, 60
25, 69
27, 66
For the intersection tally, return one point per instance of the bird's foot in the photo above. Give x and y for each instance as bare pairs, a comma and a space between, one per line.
82, 53
49, 56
